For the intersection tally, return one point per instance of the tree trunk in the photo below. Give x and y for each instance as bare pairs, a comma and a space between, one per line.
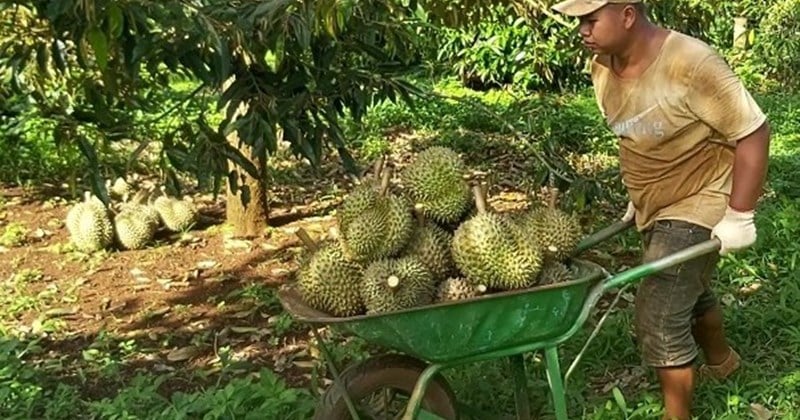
740, 41
247, 208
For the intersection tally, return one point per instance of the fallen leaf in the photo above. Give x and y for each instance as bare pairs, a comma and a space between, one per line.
237, 244
728, 299
304, 364
206, 265
244, 330
760, 412
181, 354
58, 312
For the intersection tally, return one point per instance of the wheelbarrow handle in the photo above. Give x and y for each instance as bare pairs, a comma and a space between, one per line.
601, 235
634, 274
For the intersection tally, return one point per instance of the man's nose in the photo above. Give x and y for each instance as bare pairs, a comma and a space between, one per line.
584, 29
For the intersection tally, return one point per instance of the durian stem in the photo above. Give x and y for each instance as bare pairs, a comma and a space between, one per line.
306, 239
385, 181
418, 211
378, 168
480, 200
553, 197
393, 282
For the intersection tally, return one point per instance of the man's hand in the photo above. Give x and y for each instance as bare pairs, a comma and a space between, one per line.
735, 231
629, 213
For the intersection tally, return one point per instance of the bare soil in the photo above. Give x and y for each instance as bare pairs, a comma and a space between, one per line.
188, 295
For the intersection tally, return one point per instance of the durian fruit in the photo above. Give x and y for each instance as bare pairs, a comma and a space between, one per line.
431, 244
456, 288
362, 197
554, 272
176, 215
436, 179
327, 280
136, 223
133, 230
120, 188
394, 284
556, 232
382, 230
488, 249
89, 224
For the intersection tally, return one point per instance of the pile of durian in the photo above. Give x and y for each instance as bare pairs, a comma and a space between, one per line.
130, 222
432, 239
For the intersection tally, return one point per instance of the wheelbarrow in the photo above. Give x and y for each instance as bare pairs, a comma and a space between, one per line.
425, 340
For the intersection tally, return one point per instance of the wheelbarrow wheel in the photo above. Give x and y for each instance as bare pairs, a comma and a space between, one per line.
391, 373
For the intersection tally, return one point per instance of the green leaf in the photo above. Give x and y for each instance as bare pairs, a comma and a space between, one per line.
241, 160
97, 39
115, 20
58, 55
95, 179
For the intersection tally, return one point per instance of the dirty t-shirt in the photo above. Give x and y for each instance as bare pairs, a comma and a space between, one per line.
677, 124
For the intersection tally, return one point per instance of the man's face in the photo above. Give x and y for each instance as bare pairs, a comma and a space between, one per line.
605, 31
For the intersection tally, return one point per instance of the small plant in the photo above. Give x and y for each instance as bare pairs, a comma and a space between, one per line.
14, 235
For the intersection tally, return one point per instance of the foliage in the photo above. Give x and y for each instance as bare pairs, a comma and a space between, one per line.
778, 42
533, 50
286, 71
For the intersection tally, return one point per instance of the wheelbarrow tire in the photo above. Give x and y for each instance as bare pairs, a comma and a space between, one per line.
395, 371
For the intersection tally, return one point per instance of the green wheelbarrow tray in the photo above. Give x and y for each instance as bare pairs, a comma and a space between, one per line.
496, 325
448, 331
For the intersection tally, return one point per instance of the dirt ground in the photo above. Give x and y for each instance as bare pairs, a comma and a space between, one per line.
186, 296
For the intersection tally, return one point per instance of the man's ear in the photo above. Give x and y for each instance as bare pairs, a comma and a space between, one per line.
629, 16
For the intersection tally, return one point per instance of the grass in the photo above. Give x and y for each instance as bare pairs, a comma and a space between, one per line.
759, 288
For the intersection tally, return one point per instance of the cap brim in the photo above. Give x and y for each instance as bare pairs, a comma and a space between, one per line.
578, 7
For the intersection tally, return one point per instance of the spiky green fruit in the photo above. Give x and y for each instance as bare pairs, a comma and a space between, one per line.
134, 227
176, 215
455, 288
431, 244
396, 284
361, 198
488, 249
330, 282
556, 232
90, 225
554, 272
381, 231
120, 188
435, 179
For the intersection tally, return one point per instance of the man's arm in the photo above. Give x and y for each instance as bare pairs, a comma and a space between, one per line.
750, 169
719, 98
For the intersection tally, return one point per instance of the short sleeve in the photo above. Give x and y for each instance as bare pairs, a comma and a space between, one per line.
718, 97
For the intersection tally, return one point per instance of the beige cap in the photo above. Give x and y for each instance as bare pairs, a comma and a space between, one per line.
585, 7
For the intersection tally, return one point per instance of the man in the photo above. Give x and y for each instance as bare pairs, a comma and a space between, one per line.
693, 157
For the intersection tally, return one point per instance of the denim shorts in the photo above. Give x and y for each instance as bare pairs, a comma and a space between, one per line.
667, 302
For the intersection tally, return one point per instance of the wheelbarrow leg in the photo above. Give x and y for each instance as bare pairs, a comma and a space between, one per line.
556, 383
520, 387
414, 403
337, 379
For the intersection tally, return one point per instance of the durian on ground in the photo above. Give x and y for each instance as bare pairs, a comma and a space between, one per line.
90, 225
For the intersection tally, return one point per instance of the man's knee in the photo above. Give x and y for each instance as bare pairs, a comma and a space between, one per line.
663, 322
668, 301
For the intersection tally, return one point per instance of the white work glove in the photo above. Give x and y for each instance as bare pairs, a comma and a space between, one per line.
735, 231
629, 213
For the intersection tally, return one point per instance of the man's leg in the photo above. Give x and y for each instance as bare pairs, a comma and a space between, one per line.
709, 334
666, 304
708, 331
